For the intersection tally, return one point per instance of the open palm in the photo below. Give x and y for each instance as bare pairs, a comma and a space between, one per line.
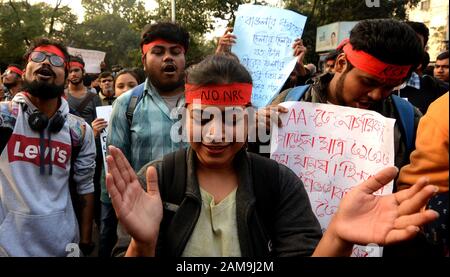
139, 212
364, 218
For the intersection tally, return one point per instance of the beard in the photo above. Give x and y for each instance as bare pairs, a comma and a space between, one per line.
43, 90
168, 86
340, 89
10, 85
77, 82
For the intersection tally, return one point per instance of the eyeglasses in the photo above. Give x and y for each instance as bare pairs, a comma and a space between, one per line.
39, 57
106, 80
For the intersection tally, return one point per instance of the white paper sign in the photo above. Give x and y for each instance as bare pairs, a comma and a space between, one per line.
105, 113
91, 58
332, 149
264, 46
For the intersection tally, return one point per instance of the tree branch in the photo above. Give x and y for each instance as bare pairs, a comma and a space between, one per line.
24, 37
52, 19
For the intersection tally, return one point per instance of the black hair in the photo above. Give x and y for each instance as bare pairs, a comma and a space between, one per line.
165, 30
105, 74
425, 60
126, 71
46, 41
140, 73
332, 55
442, 56
389, 40
421, 29
77, 59
218, 69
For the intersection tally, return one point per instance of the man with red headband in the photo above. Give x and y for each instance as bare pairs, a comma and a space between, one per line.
377, 58
82, 100
140, 123
41, 144
12, 80
217, 200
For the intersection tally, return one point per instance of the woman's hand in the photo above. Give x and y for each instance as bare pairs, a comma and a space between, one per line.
139, 212
364, 218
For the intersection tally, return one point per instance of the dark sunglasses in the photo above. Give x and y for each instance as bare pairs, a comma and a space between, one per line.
39, 57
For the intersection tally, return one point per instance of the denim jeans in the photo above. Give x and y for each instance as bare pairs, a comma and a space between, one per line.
108, 230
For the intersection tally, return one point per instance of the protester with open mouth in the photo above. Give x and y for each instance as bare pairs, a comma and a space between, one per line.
47, 163
216, 199
140, 122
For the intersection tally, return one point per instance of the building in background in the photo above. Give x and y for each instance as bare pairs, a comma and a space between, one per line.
434, 13
329, 36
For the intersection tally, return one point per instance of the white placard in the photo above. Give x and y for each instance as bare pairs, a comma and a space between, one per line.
264, 46
91, 58
332, 149
105, 113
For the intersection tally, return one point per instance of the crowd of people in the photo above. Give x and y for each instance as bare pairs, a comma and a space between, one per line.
206, 195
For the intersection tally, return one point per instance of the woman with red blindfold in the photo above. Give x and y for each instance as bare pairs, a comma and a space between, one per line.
216, 199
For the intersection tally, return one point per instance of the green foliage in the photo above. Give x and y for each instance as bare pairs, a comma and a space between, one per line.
21, 22
133, 11
114, 26
322, 12
109, 33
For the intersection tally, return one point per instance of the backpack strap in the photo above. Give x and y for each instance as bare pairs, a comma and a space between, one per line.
85, 102
136, 96
7, 123
406, 113
265, 174
174, 173
296, 93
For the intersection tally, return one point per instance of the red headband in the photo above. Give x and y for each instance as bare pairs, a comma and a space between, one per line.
51, 49
15, 70
389, 73
148, 46
76, 64
228, 94
342, 44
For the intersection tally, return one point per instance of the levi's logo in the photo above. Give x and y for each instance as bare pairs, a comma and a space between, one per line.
22, 148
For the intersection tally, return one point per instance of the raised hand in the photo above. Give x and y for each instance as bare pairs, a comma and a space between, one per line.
364, 218
226, 41
299, 50
139, 212
270, 115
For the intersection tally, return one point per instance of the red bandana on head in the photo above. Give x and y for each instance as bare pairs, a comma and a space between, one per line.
76, 64
227, 94
388, 73
148, 46
15, 70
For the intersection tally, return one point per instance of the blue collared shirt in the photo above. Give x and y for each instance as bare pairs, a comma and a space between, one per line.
148, 138
414, 81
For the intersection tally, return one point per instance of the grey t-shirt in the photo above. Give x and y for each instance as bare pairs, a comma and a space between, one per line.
88, 113
172, 101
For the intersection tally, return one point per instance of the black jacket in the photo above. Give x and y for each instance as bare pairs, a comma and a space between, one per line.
294, 230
